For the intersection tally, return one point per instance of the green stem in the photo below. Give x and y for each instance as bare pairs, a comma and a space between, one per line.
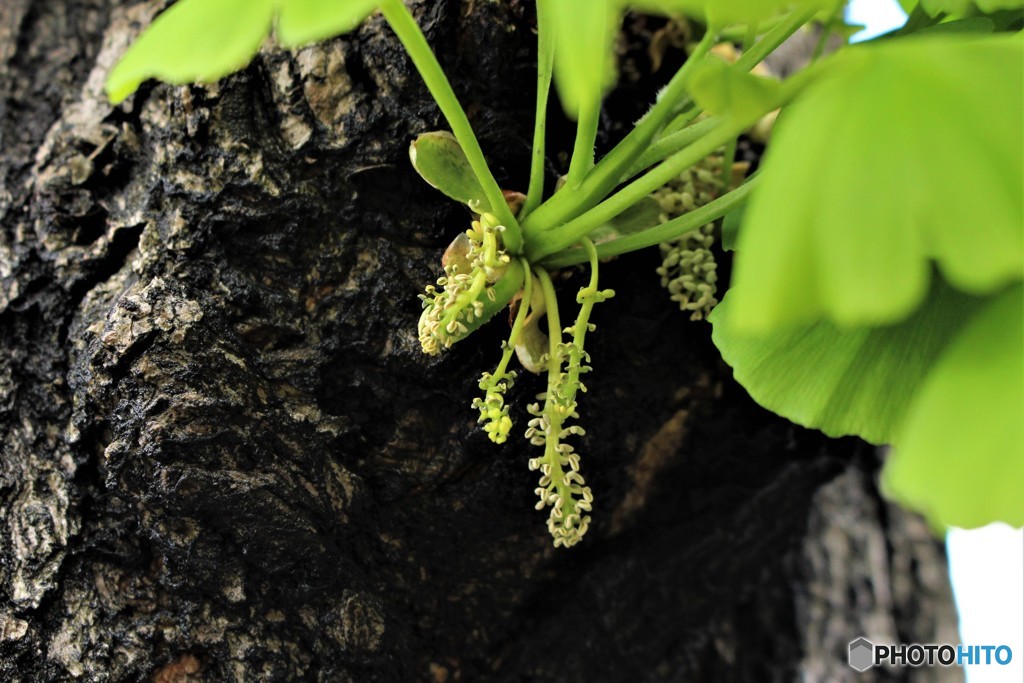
559, 238
773, 38
555, 240
517, 325
668, 145
681, 121
740, 32
728, 157
545, 59
583, 149
826, 33
415, 43
554, 325
751, 57
608, 173
751, 36
587, 297
730, 149
552, 412
666, 231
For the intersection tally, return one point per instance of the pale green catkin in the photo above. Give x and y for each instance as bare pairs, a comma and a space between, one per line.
688, 269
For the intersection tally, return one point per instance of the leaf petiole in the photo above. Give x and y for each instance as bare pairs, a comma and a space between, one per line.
608, 172
520, 320
775, 37
415, 43
674, 228
583, 149
668, 145
545, 60
551, 241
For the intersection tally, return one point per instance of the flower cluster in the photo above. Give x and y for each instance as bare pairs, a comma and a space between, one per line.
688, 268
561, 485
474, 260
493, 411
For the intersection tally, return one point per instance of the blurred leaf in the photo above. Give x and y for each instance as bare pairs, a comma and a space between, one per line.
842, 381
731, 224
721, 13
439, 160
960, 458
306, 21
194, 41
959, 8
903, 153
584, 33
844, 30
969, 25
1007, 19
954, 7
989, 6
201, 41
722, 89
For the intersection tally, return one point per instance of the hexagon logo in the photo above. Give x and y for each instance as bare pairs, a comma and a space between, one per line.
862, 654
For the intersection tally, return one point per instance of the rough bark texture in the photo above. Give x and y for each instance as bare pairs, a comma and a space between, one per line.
225, 459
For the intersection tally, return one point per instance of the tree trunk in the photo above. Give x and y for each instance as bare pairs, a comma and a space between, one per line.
225, 459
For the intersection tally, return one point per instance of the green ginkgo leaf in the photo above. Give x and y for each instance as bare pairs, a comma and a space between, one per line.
723, 89
843, 381
968, 25
989, 6
953, 7
959, 8
903, 154
960, 458
584, 32
721, 13
439, 160
306, 21
194, 41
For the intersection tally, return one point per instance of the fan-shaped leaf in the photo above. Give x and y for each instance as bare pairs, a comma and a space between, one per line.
306, 21
960, 458
959, 8
723, 89
584, 31
905, 153
968, 25
193, 41
843, 381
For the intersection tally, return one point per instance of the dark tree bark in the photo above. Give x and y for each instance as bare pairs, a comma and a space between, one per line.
225, 459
